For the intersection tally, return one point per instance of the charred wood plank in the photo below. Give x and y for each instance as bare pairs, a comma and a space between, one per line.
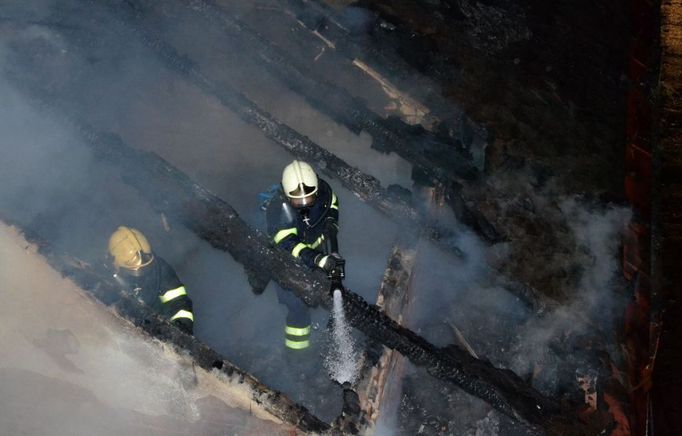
177, 196
99, 282
377, 57
366, 187
445, 163
323, 22
417, 145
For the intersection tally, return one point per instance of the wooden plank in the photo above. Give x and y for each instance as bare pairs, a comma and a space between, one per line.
394, 298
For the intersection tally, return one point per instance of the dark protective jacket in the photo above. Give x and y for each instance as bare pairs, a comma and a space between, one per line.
305, 232
160, 288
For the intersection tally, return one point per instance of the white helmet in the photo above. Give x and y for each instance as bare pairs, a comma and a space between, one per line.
299, 182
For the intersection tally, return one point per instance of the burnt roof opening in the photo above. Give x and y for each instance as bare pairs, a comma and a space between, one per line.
477, 152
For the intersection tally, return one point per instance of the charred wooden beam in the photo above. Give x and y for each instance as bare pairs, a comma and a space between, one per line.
366, 187
347, 422
422, 148
99, 282
177, 196
323, 22
173, 193
445, 163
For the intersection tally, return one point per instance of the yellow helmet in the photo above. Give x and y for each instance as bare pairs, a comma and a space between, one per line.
130, 249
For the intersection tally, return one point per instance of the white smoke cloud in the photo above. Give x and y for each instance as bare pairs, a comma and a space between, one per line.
595, 301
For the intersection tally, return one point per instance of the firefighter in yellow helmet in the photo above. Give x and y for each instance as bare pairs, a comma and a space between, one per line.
302, 218
149, 277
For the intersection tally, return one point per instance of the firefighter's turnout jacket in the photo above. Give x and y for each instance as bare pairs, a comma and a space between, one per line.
160, 288
305, 233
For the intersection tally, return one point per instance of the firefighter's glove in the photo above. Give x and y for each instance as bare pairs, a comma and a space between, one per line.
333, 264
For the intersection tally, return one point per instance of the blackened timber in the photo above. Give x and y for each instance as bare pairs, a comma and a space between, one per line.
99, 283
366, 187
415, 144
444, 162
178, 197
173, 193
319, 18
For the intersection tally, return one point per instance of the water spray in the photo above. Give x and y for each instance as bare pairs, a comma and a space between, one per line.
342, 360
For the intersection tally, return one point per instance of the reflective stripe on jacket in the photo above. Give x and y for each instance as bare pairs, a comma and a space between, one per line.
303, 234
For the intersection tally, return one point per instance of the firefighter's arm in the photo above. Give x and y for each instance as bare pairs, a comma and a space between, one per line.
333, 212
176, 305
287, 238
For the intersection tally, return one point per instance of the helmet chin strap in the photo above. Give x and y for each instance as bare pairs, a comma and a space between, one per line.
127, 273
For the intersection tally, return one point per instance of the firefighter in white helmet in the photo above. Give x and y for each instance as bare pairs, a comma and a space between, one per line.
302, 218
150, 278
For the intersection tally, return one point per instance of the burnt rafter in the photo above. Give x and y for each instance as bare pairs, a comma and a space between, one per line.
322, 21
99, 282
417, 145
173, 193
366, 187
445, 163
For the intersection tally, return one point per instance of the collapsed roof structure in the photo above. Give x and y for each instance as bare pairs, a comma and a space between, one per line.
214, 51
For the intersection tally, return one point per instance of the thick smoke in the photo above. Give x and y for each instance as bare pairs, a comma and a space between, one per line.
71, 368
456, 301
595, 304
50, 180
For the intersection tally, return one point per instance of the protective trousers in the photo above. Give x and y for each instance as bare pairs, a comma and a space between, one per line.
297, 328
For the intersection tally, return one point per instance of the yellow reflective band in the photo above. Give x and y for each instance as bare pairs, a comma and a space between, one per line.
284, 233
297, 331
183, 314
297, 249
317, 242
173, 294
296, 345
335, 202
